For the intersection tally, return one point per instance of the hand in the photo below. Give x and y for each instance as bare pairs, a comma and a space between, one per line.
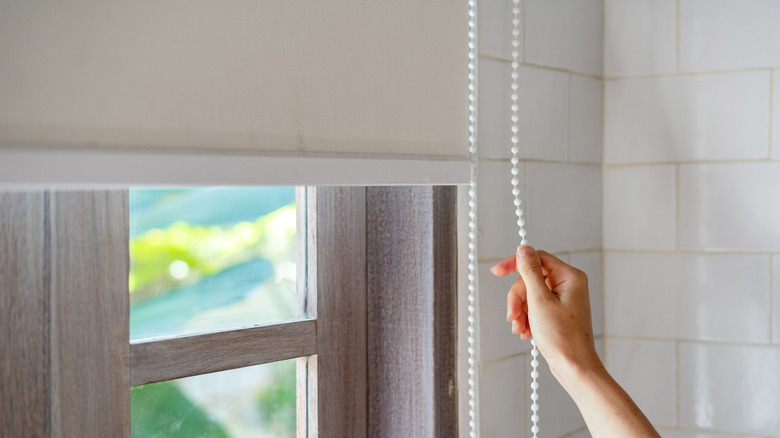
549, 301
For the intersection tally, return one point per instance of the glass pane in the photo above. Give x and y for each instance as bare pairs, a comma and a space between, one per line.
257, 401
208, 259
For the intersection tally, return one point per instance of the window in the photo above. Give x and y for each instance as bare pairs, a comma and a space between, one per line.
379, 286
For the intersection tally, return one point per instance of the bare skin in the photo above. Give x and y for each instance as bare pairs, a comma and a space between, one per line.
549, 301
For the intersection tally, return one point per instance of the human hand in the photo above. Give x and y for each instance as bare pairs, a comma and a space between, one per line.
550, 302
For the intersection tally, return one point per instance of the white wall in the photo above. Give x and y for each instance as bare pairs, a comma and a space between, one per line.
561, 148
692, 212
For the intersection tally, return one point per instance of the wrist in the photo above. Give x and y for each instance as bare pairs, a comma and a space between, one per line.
573, 373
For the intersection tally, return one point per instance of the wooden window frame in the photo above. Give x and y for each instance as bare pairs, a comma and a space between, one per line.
378, 280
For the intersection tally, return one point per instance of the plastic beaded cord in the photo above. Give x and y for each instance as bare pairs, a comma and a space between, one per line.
472, 264
515, 149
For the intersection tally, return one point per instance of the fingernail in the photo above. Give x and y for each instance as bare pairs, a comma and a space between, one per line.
514, 327
524, 250
493, 270
508, 313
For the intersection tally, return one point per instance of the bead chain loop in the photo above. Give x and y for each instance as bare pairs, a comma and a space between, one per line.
472, 266
516, 193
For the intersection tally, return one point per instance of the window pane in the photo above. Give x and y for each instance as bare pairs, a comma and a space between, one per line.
257, 401
208, 259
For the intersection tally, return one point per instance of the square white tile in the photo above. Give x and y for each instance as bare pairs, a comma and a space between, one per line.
683, 118
495, 28
731, 388
558, 414
730, 206
495, 333
544, 103
640, 37
639, 207
729, 34
585, 119
721, 297
646, 370
564, 34
502, 398
563, 206
590, 263
496, 220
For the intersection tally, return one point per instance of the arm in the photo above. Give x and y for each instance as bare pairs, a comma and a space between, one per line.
550, 300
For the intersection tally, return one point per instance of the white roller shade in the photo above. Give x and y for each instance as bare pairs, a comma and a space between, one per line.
302, 76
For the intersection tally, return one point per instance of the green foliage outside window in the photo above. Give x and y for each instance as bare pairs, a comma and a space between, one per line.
167, 259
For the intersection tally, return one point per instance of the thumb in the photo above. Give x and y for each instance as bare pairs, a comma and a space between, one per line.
529, 266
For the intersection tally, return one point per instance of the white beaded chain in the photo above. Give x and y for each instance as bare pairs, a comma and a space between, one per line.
516, 193
472, 266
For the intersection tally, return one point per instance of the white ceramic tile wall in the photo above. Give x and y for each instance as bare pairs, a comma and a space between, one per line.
558, 414
563, 206
640, 207
639, 37
585, 121
543, 133
730, 206
729, 34
495, 28
646, 370
684, 118
711, 288
496, 221
561, 143
722, 297
564, 34
503, 398
495, 334
730, 388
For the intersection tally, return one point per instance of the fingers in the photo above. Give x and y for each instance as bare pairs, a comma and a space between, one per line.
529, 266
504, 267
516, 301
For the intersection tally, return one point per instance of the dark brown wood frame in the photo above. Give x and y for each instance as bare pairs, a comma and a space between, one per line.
378, 280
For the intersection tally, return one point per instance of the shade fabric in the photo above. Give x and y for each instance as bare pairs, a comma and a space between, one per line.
291, 76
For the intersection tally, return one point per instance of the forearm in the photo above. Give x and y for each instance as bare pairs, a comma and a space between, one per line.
606, 407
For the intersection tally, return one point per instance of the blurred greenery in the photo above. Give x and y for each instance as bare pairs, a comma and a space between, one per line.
277, 401
187, 259
160, 410
206, 250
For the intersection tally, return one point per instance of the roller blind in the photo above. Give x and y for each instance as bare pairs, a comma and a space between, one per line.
376, 78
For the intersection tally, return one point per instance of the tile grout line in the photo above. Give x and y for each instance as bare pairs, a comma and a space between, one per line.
677, 36
771, 293
689, 162
684, 74
677, 383
543, 161
676, 207
568, 120
491, 57
721, 343
604, 330
771, 107
686, 251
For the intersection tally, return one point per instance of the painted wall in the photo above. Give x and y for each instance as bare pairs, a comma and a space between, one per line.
561, 147
692, 212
